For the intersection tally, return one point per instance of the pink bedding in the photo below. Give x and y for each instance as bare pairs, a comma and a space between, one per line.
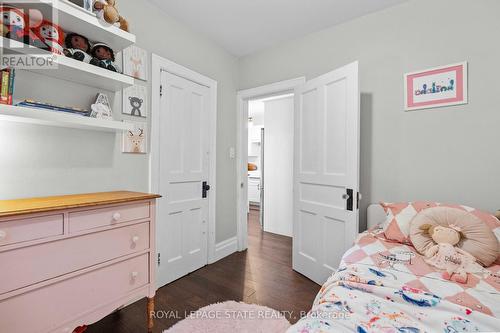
384, 286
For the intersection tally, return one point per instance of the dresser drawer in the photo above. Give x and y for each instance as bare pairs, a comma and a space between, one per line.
17, 231
33, 264
102, 217
44, 309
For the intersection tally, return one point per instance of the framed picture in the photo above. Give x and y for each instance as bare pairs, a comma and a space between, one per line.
135, 140
135, 101
135, 62
436, 87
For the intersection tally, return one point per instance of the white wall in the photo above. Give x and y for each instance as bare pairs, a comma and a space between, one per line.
278, 166
37, 161
446, 154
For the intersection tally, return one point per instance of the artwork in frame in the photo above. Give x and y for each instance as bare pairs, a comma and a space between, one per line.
135, 101
436, 87
135, 140
135, 62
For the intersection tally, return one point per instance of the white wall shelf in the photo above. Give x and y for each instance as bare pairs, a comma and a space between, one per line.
73, 18
70, 69
59, 119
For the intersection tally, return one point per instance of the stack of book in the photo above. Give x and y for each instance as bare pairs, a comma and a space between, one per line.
46, 106
7, 85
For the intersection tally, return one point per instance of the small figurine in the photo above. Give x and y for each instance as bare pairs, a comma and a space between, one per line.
103, 56
77, 47
52, 35
106, 11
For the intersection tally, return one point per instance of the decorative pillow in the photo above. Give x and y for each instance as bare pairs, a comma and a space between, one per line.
478, 239
399, 216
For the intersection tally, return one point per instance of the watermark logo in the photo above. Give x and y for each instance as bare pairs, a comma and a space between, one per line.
29, 33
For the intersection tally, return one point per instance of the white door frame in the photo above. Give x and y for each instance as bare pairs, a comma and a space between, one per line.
242, 146
160, 64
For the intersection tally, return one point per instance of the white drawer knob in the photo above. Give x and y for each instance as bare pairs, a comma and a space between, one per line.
135, 239
134, 275
3, 235
116, 216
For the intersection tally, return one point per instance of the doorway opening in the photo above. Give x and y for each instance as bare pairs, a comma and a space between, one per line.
265, 169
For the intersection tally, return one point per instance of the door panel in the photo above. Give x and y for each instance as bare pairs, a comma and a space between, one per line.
184, 153
326, 164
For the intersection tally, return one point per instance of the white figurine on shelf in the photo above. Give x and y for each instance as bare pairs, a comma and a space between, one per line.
101, 109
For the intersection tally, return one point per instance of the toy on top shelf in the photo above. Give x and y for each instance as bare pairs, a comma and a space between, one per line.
106, 10
103, 56
77, 47
52, 35
16, 25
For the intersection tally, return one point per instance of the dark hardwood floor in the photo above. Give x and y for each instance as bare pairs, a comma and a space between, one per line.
262, 275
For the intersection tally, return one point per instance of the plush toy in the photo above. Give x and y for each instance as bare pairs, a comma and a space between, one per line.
77, 47
103, 56
16, 25
106, 10
13, 23
497, 214
52, 35
445, 255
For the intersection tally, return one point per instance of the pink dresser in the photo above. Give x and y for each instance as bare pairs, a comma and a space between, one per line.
71, 260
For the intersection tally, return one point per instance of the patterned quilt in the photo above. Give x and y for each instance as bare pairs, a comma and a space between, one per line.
383, 286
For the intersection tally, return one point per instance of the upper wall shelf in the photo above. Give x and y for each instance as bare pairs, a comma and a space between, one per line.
73, 18
70, 69
22, 114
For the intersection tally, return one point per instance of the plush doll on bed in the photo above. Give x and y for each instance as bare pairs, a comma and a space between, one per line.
456, 262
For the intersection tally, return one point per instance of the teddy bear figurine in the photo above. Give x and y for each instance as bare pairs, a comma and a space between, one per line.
455, 262
106, 10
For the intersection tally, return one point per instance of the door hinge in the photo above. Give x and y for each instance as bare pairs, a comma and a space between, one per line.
159, 259
161, 90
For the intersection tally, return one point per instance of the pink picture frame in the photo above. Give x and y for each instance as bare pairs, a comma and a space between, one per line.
436, 87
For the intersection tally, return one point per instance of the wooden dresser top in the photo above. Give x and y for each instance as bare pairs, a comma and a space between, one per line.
46, 204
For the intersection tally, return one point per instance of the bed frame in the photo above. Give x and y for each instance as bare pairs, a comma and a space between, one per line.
375, 215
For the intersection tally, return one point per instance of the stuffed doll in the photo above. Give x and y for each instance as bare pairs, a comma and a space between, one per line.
13, 23
52, 35
103, 56
456, 262
106, 10
16, 25
77, 47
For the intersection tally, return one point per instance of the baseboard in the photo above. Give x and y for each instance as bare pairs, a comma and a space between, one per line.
225, 248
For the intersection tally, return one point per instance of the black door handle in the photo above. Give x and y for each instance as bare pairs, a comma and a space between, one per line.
204, 189
350, 199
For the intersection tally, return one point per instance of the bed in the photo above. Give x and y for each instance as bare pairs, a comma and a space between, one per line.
385, 286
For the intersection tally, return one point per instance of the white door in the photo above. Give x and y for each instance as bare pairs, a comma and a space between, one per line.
184, 163
278, 170
326, 171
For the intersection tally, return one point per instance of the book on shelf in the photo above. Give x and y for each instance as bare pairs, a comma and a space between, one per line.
4, 86
12, 75
52, 107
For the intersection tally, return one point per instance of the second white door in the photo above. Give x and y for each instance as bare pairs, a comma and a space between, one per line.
326, 171
184, 169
